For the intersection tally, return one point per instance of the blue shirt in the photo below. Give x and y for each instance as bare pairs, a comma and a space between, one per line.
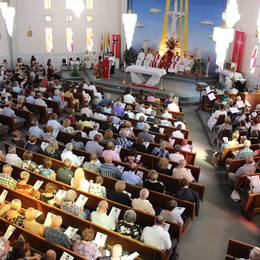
36, 130
131, 178
7, 111
57, 237
111, 171
30, 99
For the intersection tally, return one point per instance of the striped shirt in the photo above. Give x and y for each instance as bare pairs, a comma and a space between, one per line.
110, 170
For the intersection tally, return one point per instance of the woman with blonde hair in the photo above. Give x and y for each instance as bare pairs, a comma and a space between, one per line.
163, 166
11, 211
52, 150
66, 127
79, 181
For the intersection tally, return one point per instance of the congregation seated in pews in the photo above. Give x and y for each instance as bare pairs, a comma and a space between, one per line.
119, 170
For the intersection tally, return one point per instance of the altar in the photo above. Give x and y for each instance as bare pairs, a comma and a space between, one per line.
137, 73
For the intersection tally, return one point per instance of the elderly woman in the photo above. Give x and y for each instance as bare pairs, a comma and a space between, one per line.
142, 203
68, 203
46, 169
23, 186
31, 224
86, 247
152, 182
93, 164
128, 227
97, 188
11, 211
170, 214
163, 166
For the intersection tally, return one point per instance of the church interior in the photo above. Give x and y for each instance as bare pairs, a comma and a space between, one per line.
129, 129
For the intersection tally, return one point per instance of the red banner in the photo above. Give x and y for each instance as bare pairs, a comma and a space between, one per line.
116, 45
238, 49
106, 68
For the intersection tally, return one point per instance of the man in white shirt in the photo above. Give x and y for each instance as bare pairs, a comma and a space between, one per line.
173, 107
166, 114
12, 158
100, 216
53, 122
39, 101
156, 236
128, 98
68, 154
177, 133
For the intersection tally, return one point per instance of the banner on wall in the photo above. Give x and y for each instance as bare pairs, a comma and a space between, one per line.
116, 45
238, 49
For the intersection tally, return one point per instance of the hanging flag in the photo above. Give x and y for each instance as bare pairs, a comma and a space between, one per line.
101, 47
108, 42
253, 60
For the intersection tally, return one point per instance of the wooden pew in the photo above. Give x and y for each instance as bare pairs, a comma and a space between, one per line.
142, 218
149, 161
54, 105
40, 111
237, 249
130, 245
172, 184
10, 122
37, 242
228, 150
157, 199
27, 115
251, 205
236, 163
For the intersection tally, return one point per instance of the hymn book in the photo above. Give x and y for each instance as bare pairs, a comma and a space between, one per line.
81, 201
71, 232
10, 230
48, 219
179, 210
3, 195
100, 239
37, 185
66, 256
211, 96
44, 145
114, 213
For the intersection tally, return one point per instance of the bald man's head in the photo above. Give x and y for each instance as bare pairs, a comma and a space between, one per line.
50, 255
102, 206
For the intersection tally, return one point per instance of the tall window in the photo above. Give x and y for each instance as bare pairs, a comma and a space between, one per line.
89, 39
48, 39
69, 39
90, 4
47, 4
68, 4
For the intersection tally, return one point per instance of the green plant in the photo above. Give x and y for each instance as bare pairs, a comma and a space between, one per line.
75, 72
199, 67
129, 56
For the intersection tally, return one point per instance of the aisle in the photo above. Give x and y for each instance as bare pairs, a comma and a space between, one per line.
219, 219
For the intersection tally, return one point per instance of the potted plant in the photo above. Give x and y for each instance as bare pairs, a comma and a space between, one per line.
199, 67
129, 56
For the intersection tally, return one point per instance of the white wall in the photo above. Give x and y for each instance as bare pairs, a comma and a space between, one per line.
249, 14
107, 18
4, 41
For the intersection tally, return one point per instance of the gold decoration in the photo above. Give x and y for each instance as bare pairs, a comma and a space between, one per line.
29, 32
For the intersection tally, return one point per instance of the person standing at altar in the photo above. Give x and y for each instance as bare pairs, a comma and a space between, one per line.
166, 60
183, 63
87, 60
98, 69
112, 60
174, 63
156, 60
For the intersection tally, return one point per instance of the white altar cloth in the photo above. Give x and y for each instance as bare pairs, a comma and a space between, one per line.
137, 73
